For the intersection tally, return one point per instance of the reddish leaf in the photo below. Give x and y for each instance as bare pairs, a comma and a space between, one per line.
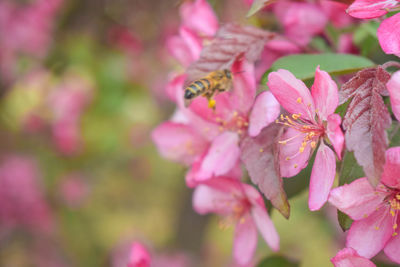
260, 156
366, 120
257, 5
230, 42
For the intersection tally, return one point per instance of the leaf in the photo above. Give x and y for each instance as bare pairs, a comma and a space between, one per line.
259, 157
366, 120
349, 170
231, 41
257, 5
344, 220
277, 261
303, 65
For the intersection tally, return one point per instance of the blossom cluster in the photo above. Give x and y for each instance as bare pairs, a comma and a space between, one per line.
280, 131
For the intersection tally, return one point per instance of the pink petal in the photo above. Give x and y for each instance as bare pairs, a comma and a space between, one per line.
322, 177
335, 133
368, 9
393, 87
139, 256
289, 91
325, 94
336, 13
391, 170
192, 40
222, 155
199, 16
389, 35
301, 20
177, 47
358, 199
178, 142
265, 110
364, 237
174, 84
348, 257
291, 162
207, 199
245, 240
265, 226
392, 249
244, 85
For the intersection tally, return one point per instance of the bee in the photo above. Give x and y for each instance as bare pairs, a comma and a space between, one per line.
215, 82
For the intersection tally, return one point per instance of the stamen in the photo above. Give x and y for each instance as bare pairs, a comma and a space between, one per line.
261, 150
298, 100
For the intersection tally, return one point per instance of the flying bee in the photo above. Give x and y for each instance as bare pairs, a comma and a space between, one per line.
215, 82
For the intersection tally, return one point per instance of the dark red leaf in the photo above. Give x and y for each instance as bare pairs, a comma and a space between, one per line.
367, 119
231, 41
260, 156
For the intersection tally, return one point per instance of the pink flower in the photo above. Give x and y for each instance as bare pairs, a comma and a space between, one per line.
242, 205
139, 256
389, 35
393, 87
375, 211
21, 198
301, 21
312, 122
348, 257
209, 140
199, 16
74, 190
368, 9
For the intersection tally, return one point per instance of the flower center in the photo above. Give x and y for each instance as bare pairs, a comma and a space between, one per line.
239, 209
310, 132
394, 203
236, 123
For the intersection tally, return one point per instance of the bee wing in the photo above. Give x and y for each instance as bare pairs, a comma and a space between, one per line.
187, 102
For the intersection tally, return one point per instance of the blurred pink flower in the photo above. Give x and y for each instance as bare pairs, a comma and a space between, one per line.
312, 120
125, 40
67, 102
199, 17
348, 257
139, 256
242, 205
74, 190
28, 29
393, 87
368, 9
301, 21
375, 211
336, 13
21, 199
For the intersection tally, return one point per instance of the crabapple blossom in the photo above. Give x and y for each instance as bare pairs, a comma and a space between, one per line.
139, 256
348, 257
311, 122
241, 205
375, 211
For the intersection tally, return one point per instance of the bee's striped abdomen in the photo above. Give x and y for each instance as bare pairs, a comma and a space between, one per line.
197, 88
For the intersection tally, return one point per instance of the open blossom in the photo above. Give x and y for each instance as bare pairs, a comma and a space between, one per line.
241, 205
311, 122
348, 257
368, 9
375, 211
207, 139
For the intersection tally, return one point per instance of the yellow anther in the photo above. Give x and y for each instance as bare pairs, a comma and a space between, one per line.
282, 142
282, 118
246, 124
309, 105
395, 226
221, 129
301, 149
261, 150
376, 227
295, 116
365, 215
212, 103
313, 144
398, 196
298, 100
392, 213
287, 158
276, 121
235, 113
295, 166
394, 234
